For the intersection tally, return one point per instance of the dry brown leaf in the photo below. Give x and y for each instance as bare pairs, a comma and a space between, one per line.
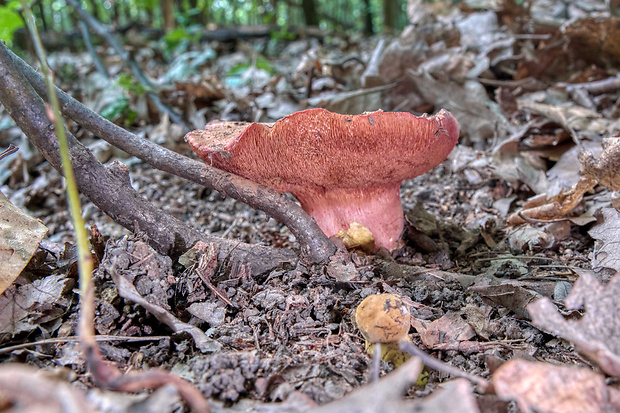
449, 328
571, 116
512, 297
594, 39
26, 307
597, 333
20, 235
547, 388
479, 318
24, 388
565, 173
606, 169
606, 253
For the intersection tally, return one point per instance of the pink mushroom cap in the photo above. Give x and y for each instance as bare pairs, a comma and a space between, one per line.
341, 168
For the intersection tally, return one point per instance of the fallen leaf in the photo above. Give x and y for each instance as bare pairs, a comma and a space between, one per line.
606, 253
604, 169
25, 388
25, 307
448, 329
20, 235
512, 297
597, 333
116, 263
547, 388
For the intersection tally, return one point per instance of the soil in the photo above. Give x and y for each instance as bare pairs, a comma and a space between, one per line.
292, 330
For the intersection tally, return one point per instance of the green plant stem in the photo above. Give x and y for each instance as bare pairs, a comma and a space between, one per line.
85, 261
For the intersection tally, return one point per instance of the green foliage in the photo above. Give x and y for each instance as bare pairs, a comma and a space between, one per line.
236, 75
241, 68
130, 84
9, 21
119, 110
146, 4
282, 34
186, 18
179, 39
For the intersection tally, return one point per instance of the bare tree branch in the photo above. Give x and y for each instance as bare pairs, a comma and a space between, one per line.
316, 247
107, 191
104, 32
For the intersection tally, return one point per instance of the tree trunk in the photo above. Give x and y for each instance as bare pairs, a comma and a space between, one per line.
368, 17
390, 14
167, 13
310, 12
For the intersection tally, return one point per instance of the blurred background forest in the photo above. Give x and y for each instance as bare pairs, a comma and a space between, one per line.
185, 18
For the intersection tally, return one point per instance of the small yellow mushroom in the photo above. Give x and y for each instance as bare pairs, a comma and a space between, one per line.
357, 236
384, 319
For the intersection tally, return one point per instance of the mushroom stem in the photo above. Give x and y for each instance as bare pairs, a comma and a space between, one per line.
379, 209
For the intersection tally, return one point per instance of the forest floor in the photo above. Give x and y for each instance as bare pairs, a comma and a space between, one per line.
467, 268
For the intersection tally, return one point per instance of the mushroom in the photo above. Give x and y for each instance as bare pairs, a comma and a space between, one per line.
384, 320
343, 169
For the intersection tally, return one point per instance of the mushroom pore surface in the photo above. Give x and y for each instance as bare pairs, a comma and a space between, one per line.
341, 168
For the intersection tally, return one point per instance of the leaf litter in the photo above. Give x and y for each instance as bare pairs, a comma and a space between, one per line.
533, 102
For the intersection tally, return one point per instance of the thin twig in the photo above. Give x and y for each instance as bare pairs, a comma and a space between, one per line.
9, 151
75, 339
89, 46
597, 87
540, 221
439, 365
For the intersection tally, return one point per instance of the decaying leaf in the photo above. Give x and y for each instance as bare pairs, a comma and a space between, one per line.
26, 307
606, 169
513, 297
603, 171
606, 253
20, 235
118, 260
543, 387
448, 329
597, 333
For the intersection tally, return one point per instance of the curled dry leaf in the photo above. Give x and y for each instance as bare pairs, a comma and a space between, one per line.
604, 171
597, 333
543, 387
511, 296
20, 235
